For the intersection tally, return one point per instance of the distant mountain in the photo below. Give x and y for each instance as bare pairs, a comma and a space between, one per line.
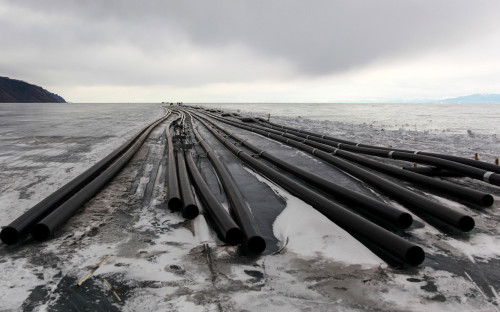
17, 91
472, 99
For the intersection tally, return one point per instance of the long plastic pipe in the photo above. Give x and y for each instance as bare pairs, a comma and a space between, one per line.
253, 237
349, 221
446, 214
226, 226
44, 228
432, 171
174, 200
189, 208
466, 161
487, 176
452, 189
11, 233
471, 195
368, 205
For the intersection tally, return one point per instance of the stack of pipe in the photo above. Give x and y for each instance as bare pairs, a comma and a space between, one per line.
180, 195
347, 156
253, 240
365, 219
52, 212
397, 247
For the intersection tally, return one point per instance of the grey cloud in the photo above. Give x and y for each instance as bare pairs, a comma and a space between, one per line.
316, 37
327, 36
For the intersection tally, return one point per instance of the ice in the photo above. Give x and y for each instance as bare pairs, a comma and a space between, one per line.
17, 281
452, 119
319, 265
478, 246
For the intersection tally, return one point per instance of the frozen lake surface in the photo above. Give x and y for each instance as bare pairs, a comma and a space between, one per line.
160, 261
445, 118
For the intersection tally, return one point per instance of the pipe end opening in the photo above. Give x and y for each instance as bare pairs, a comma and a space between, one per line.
234, 236
405, 220
256, 244
175, 204
415, 255
190, 211
487, 200
9, 235
40, 232
466, 223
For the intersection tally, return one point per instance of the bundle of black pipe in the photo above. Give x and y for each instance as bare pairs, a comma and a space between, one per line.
174, 201
44, 228
454, 190
466, 161
467, 194
189, 207
369, 206
396, 246
254, 241
11, 233
446, 214
225, 225
467, 170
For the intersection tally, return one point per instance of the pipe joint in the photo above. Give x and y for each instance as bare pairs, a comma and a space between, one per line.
486, 176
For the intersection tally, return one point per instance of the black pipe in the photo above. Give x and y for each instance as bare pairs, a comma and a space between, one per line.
253, 237
189, 208
446, 214
11, 233
349, 221
174, 201
433, 171
467, 170
44, 228
452, 189
462, 160
230, 232
470, 195
372, 207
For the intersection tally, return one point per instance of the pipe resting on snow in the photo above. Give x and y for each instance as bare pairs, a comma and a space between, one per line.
457, 165
446, 214
349, 221
45, 227
226, 226
369, 206
11, 233
190, 209
253, 238
462, 160
174, 201
467, 194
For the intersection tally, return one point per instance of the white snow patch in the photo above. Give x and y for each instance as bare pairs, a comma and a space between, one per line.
309, 233
456, 290
478, 245
18, 281
201, 229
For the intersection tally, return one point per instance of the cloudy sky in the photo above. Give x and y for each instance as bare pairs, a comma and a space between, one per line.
252, 51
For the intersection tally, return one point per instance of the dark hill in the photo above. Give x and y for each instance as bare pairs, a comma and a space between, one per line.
17, 91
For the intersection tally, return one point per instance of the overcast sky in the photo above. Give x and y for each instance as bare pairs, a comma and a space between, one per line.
252, 51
